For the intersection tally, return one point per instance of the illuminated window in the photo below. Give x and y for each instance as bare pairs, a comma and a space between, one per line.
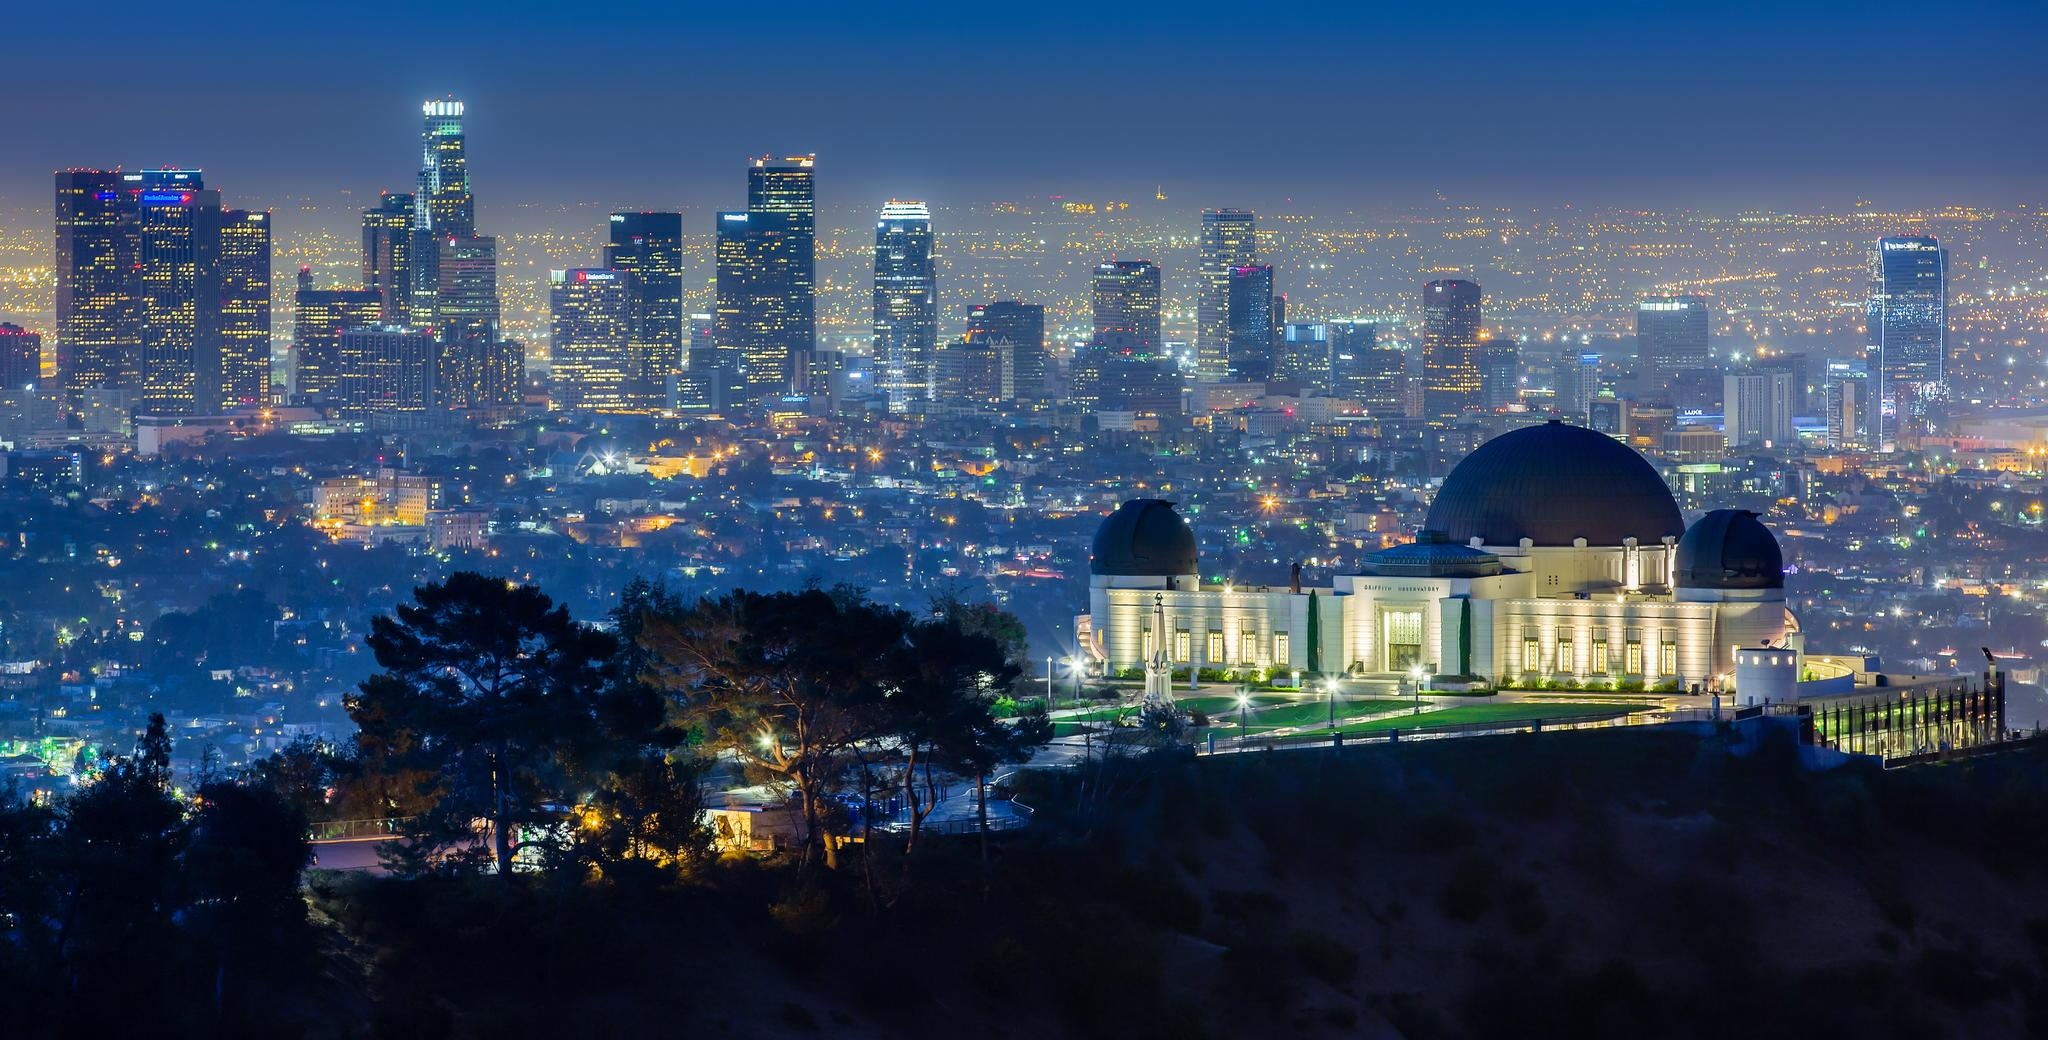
1283, 649
1146, 645
1634, 663
1247, 645
1567, 657
1600, 662
1532, 655
1216, 655
1670, 659
1183, 643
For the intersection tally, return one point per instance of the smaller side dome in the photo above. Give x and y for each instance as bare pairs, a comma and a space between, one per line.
1729, 549
1144, 538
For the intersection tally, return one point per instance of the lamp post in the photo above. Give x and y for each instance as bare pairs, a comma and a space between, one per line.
1050, 703
1244, 704
1416, 674
1074, 673
1330, 690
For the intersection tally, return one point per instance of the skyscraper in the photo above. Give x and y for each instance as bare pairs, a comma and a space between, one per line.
387, 253
787, 265
906, 304
1500, 373
320, 318
179, 271
1248, 323
1127, 303
244, 308
593, 344
1907, 323
1759, 408
752, 317
1019, 329
1673, 335
444, 204
388, 369
649, 246
21, 357
477, 367
98, 315
1846, 397
1450, 348
1229, 241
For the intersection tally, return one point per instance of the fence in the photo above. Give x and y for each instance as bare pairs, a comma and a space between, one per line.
345, 830
1914, 723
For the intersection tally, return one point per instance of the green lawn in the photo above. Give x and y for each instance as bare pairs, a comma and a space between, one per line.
1269, 711
1508, 712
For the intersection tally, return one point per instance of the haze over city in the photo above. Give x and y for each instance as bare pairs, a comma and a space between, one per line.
1477, 520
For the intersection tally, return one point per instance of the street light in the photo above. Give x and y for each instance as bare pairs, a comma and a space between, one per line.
1244, 704
1416, 674
1330, 689
1074, 672
1049, 702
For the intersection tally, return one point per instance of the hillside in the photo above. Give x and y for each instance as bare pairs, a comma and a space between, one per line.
1618, 884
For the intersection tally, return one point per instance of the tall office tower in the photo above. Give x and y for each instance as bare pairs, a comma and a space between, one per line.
1361, 370
321, 316
1248, 323
753, 301
789, 270
444, 204
21, 357
1673, 335
1759, 409
1305, 355
1846, 402
649, 246
443, 207
712, 380
592, 313
1450, 348
1127, 303
179, 272
1020, 329
1797, 366
388, 369
98, 315
906, 304
1229, 241
478, 368
974, 371
1500, 373
244, 308
1907, 323
1578, 382
387, 253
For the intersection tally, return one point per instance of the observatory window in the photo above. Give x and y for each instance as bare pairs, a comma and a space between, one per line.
1670, 659
1634, 663
1247, 645
1567, 655
1216, 654
1532, 655
1600, 659
1283, 649
1183, 644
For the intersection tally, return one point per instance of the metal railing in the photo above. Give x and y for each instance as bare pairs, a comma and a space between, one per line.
346, 830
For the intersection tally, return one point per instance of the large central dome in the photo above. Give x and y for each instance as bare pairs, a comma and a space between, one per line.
1551, 484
